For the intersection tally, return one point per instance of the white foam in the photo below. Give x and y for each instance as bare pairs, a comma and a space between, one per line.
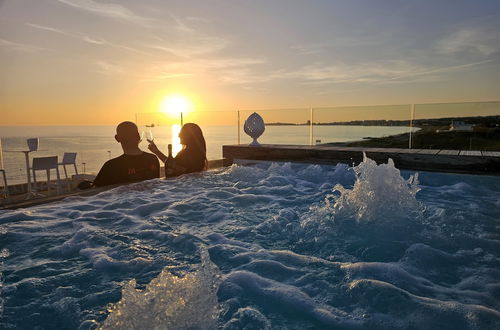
286, 298
379, 192
169, 301
275, 237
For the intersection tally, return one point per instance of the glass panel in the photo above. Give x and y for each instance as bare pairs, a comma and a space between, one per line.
283, 126
458, 126
93, 144
371, 126
219, 128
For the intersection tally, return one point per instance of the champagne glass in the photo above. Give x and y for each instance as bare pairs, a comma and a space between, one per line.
149, 136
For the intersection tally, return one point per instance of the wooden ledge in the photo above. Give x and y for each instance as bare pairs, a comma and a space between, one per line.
453, 161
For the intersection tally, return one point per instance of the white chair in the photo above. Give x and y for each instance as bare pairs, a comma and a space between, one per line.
46, 164
2, 169
69, 158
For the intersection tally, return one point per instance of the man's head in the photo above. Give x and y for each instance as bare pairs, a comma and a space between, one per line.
127, 134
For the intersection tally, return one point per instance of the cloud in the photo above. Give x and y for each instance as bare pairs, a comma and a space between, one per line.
15, 46
191, 45
446, 69
110, 10
165, 75
107, 68
96, 41
86, 38
376, 72
224, 69
47, 28
340, 42
480, 41
382, 72
319, 74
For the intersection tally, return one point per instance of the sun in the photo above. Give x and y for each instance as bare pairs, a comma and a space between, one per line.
175, 104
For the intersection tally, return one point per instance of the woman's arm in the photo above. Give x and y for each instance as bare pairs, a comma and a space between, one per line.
154, 149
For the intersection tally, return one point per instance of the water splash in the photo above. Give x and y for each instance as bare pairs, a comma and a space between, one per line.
169, 301
379, 192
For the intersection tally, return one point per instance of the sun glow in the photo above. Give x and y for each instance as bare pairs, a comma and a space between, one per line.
176, 141
175, 105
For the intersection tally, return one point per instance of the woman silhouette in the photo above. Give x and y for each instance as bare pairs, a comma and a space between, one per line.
192, 157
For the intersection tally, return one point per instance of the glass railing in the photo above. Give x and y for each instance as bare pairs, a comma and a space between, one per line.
368, 126
450, 126
457, 126
219, 128
94, 145
283, 126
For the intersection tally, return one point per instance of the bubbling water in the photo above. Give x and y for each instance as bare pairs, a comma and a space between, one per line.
170, 301
374, 253
379, 192
4, 253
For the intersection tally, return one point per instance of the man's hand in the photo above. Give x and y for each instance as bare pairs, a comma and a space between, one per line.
85, 184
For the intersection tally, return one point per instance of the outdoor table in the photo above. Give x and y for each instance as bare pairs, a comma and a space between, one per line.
28, 175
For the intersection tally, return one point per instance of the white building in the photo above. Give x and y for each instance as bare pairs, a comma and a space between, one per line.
460, 126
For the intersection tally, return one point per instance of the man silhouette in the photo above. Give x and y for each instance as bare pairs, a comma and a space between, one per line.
134, 165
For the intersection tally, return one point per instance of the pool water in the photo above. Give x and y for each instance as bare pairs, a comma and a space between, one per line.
269, 246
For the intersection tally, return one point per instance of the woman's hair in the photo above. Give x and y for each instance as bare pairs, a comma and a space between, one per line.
193, 138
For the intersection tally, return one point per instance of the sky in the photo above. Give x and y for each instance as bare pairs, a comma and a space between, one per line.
87, 62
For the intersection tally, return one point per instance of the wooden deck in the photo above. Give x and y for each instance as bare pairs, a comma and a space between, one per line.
455, 161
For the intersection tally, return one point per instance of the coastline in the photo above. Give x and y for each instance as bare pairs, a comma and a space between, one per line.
427, 137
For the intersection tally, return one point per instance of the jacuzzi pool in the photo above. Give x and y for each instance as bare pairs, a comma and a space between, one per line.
268, 246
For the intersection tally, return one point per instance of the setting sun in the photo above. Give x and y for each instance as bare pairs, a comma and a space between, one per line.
175, 104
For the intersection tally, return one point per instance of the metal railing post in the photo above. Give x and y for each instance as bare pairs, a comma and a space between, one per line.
311, 120
239, 123
412, 116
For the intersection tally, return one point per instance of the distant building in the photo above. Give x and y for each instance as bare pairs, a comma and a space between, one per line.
460, 126
457, 126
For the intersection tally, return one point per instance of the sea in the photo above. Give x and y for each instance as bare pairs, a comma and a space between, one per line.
95, 145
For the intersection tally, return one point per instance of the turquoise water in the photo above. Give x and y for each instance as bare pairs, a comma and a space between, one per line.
269, 246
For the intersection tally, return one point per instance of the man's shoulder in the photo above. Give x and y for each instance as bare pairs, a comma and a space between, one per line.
125, 159
148, 155
113, 161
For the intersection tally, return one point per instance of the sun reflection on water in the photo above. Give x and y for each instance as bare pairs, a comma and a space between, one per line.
176, 141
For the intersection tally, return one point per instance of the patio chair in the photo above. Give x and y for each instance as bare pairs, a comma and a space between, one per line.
69, 158
46, 164
5, 192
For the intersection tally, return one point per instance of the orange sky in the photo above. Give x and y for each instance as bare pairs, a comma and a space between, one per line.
68, 62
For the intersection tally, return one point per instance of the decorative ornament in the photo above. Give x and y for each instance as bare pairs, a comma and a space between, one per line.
254, 127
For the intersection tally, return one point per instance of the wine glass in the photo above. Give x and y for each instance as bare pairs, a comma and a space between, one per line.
149, 136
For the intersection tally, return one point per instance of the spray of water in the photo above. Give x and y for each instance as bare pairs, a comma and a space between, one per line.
169, 301
379, 193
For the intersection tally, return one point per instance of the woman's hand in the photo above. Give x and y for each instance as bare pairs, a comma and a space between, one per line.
152, 147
